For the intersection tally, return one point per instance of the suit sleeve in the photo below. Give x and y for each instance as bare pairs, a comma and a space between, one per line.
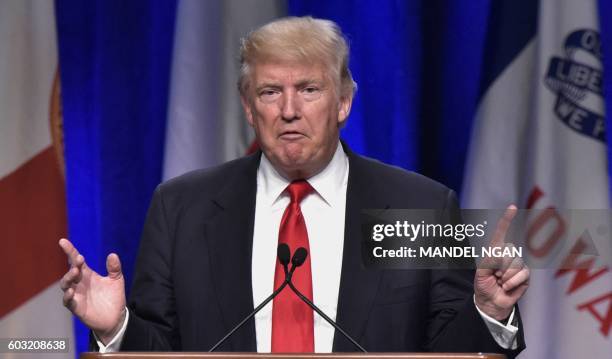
153, 321
454, 322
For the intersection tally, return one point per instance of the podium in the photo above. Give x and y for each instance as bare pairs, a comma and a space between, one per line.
186, 355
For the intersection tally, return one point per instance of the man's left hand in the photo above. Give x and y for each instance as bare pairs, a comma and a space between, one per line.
500, 282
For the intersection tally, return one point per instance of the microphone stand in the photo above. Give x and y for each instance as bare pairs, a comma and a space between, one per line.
263, 304
299, 257
283, 254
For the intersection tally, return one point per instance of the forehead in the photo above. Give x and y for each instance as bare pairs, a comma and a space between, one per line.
288, 72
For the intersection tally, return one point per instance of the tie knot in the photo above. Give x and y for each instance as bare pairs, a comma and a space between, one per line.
298, 190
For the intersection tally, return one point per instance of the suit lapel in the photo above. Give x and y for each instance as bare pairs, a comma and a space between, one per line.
358, 285
230, 234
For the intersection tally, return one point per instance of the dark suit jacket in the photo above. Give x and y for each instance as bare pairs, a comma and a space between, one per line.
192, 281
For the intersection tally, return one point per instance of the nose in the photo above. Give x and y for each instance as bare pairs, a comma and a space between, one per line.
290, 106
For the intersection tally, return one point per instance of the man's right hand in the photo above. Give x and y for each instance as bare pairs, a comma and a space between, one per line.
97, 301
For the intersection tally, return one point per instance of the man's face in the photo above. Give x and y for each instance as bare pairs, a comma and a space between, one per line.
296, 113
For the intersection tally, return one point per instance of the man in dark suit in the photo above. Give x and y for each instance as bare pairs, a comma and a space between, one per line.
199, 273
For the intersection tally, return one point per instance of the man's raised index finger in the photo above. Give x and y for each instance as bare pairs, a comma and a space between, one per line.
70, 250
492, 263
499, 237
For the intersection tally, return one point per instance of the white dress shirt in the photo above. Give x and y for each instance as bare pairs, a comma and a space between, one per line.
324, 214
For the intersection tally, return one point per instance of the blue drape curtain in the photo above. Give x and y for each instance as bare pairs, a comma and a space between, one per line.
418, 65
115, 69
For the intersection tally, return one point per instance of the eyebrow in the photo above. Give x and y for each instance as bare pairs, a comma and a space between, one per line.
268, 85
299, 84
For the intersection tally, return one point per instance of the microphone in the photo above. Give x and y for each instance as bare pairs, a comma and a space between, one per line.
299, 257
283, 256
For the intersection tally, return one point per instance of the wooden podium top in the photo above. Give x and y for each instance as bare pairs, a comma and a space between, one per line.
186, 355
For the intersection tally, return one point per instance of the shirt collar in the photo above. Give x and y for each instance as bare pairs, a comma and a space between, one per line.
328, 183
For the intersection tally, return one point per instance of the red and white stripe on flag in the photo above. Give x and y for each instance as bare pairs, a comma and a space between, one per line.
539, 141
32, 190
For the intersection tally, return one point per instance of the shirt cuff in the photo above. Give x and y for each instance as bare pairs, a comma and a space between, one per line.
115, 343
504, 335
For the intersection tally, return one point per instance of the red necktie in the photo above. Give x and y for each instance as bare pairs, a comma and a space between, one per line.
292, 319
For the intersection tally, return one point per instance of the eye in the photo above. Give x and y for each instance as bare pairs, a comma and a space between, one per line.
310, 93
268, 95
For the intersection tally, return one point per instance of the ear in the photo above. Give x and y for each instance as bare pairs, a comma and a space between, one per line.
248, 111
344, 109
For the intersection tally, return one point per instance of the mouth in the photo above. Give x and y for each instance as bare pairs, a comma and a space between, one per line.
291, 136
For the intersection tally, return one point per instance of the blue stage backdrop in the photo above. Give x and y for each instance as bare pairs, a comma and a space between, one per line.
417, 63
115, 67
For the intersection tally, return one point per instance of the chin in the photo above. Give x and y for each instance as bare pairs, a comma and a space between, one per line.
293, 153
292, 164
294, 167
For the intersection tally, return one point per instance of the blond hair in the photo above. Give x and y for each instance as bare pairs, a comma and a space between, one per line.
302, 39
